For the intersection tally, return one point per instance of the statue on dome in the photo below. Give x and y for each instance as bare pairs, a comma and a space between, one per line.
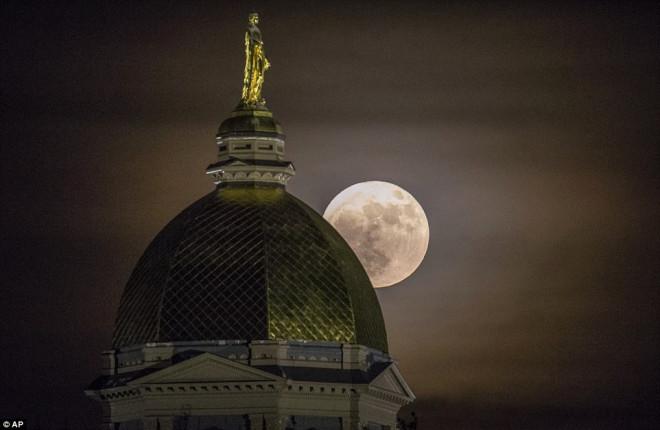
256, 64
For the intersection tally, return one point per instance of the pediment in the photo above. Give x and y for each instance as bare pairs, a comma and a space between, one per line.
206, 367
391, 382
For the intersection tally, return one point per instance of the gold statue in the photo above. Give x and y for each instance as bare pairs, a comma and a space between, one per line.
256, 64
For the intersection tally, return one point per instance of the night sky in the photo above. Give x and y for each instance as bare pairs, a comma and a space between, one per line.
529, 133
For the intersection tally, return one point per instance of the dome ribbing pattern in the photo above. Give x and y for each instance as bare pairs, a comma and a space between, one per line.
250, 262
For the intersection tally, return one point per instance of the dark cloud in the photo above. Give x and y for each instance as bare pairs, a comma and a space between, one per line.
527, 132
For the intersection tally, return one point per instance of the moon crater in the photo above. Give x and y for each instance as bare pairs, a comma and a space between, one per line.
385, 226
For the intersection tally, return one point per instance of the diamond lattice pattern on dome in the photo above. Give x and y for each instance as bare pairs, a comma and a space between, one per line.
249, 263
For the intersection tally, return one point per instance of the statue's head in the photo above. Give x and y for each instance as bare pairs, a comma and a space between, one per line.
253, 18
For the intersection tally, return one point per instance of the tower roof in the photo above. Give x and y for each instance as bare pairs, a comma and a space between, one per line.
244, 121
249, 261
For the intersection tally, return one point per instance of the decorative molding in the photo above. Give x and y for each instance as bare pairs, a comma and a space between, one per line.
391, 386
208, 368
244, 173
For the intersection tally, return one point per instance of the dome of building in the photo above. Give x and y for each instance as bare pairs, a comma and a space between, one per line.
250, 122
249, 261
248, 309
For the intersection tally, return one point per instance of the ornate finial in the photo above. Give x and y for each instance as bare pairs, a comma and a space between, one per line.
251, 142
256, 64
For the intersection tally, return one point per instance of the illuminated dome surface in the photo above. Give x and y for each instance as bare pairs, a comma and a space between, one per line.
249, 262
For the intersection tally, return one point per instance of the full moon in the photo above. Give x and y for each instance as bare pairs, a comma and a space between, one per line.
385, 226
